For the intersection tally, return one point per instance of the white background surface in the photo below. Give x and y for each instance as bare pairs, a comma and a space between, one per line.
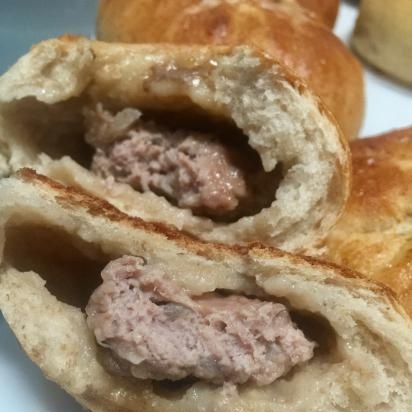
23, 22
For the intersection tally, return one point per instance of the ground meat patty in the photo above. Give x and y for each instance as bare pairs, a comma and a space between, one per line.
155, 330
192, 169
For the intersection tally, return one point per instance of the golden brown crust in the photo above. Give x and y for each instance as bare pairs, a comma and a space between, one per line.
327, 10
282, 30
364, 336
282, 119
374, 235
77, 198
382, 175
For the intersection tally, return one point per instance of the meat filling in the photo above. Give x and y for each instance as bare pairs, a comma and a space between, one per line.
192, 169
155, 330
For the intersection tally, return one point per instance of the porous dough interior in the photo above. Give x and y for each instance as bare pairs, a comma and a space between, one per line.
282, 128
66, 266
